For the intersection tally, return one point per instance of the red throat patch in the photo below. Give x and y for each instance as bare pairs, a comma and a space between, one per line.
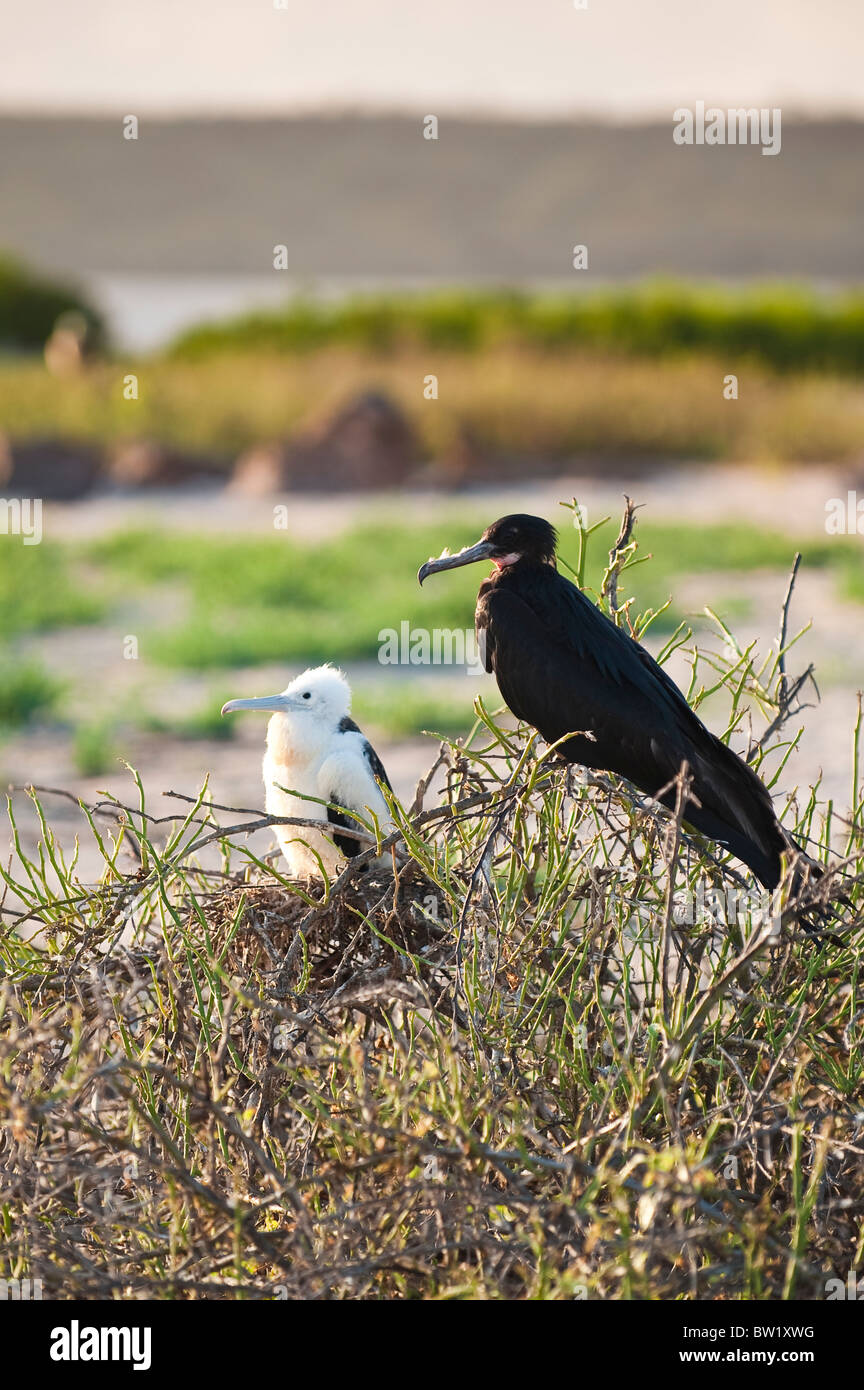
506, 560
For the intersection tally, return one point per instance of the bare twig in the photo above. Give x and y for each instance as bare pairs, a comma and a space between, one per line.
609, 586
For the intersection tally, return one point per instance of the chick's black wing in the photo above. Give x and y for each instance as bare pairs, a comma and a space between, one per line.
376, 767
346, 843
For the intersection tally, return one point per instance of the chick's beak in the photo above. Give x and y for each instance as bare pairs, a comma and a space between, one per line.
273, 703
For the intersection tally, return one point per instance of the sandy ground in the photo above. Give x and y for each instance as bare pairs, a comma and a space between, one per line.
794, 502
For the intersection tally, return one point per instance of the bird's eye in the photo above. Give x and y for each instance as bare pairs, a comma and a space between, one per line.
307, 695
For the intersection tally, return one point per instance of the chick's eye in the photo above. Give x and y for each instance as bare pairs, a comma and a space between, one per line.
307, 695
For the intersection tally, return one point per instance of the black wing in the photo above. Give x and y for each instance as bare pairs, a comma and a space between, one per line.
347, 725
375, 763
563, 666
349, 846
346, 843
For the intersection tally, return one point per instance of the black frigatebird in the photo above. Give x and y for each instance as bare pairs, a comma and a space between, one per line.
565, 668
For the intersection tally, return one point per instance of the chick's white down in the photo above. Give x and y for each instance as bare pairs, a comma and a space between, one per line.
311, 753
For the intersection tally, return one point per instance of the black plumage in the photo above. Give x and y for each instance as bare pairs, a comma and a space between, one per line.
349, 846
565, 668
347, 725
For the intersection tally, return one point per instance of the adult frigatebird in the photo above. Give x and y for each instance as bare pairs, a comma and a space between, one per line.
565, 668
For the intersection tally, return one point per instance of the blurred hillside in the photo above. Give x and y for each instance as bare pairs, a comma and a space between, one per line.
356, 196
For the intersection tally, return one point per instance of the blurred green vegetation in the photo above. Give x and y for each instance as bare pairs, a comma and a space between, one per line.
252, 600
93, 747
403, 708
783, 326
853, 581
26, 690
636, 373
678, 550
259, 598
269, 598
30, 305
38, 592
206, 722
273, 599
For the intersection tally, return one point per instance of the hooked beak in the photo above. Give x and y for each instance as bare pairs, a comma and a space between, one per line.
470, 555
274, 703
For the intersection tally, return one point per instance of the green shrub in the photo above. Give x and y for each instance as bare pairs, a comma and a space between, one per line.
93, 749
206, 722
505, 1072
784, 326
30, 306
274, 600
25, 690
37, 593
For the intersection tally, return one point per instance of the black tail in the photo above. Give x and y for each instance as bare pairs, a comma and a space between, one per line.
731, 805
737, 812
761, 854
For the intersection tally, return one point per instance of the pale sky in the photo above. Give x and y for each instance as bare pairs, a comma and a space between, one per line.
531, 57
